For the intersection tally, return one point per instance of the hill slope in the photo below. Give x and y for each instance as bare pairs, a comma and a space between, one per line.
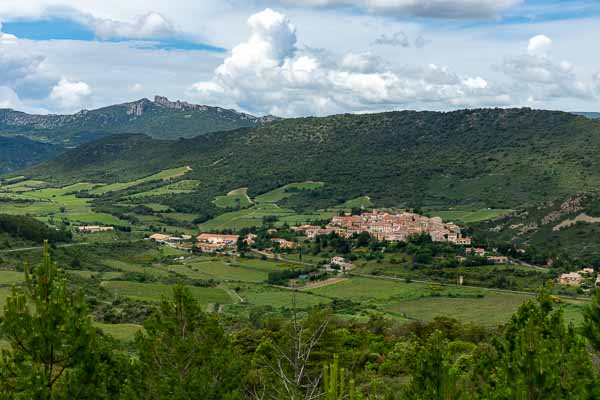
496, 158
160, 118
19, 152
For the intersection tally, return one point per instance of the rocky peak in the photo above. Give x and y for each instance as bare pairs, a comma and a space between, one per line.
137, 108
178, 105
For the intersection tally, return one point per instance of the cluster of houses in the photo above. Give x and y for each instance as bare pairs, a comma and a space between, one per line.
577, 278
215, 242
481, 252
94, 229
391, 227
172, 241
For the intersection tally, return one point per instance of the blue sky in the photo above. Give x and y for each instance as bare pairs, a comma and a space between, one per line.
301, 57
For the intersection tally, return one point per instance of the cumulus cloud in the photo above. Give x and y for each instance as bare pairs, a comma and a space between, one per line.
269, 73
455, 9
539, 45
22, 72
5, 36
70, 95
545, 78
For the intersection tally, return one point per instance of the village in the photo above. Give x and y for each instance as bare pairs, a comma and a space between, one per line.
381, 225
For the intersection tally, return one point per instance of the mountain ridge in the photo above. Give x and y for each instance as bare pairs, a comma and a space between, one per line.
160, 118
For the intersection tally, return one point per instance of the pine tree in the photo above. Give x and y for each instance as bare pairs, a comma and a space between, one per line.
51, 338
183, 354
591, 322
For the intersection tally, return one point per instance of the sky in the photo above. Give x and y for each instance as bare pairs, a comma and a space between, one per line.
301, 57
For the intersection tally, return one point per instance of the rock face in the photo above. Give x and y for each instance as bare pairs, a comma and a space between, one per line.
137, 108
178, 105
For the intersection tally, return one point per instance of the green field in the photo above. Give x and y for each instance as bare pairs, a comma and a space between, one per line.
359, 202
252, 212
468, 216
155, 291
237, 198
260, 295
492, 309
286, 191
7, 278
185, 186
121, 332
165, 175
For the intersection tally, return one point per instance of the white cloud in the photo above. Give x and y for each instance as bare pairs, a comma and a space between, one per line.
5, 36
70, 95
9, 99
543, 78
539, 45
458, 9
269, 73
149, 26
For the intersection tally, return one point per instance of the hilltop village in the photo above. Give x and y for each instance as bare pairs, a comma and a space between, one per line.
389, 227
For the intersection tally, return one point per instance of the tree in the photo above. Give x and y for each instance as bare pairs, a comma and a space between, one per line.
591, 322
437, 368
53, 347
184, 353
540, 357
283, 365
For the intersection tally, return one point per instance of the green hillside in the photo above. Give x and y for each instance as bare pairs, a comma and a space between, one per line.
20, 152
502, 159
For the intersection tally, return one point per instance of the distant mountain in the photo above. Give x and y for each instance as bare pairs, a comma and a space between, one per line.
20, 152
591, 115
160, 118
503, 158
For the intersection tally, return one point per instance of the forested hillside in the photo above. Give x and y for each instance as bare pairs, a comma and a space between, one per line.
19, 152
496, 158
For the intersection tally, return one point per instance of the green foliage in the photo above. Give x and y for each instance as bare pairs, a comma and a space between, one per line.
334, 382
28, 228
184, 353
19, 152
540, 357
591, 324
53, 348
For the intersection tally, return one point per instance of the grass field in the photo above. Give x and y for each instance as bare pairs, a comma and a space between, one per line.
121, 332
165, 175
237, 198
286, 191
261, 295
359, 202
156, 291
491, 310
9, 277
185, 186
254, 215
359, 288
468, 216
